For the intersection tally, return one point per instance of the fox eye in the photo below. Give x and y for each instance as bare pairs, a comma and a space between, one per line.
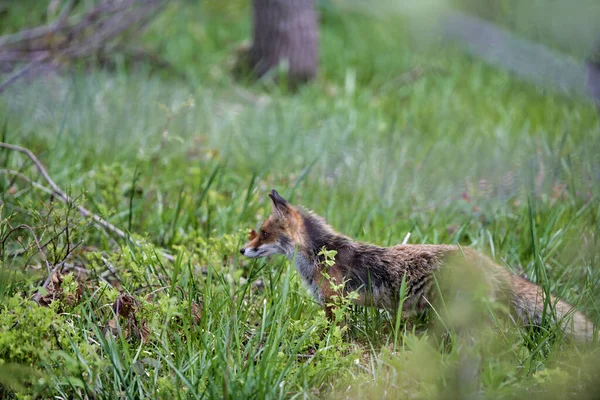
264, 234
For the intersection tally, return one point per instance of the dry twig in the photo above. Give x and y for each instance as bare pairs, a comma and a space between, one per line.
55, 190
35, 239
19, 74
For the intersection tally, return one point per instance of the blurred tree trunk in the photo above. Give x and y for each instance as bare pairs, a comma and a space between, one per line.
593, 74
285, 31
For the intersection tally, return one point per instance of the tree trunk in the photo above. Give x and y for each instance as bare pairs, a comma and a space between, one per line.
593, 80
593, 74
285, 31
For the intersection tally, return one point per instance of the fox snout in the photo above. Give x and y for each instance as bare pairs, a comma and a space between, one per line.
252, 235
263, 250
248, 250
251, 252
258, 247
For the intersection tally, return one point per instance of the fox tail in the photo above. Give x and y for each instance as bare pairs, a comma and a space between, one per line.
528, 302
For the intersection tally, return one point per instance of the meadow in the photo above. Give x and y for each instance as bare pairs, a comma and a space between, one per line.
397, 135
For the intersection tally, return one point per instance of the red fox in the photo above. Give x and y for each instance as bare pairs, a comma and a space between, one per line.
376, 273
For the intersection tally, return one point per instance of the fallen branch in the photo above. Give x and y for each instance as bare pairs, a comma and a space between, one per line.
19, 74
33, 33
55, 190
77, 36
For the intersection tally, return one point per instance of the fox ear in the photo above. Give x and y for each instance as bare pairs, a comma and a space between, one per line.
252, 234
280, 205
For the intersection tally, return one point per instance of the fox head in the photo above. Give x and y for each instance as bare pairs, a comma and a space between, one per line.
279, 234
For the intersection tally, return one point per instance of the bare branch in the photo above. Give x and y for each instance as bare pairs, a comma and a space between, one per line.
26, 179
23, 55
29, 34
73, 37
108, 32
111, 269
19, 74
64, 197
35, 239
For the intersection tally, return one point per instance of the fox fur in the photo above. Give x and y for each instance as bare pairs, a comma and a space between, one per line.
376, 273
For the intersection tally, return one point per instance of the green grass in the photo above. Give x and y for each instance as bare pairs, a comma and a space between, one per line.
466, 154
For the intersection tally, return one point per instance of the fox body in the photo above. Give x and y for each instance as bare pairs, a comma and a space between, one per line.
377, 273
